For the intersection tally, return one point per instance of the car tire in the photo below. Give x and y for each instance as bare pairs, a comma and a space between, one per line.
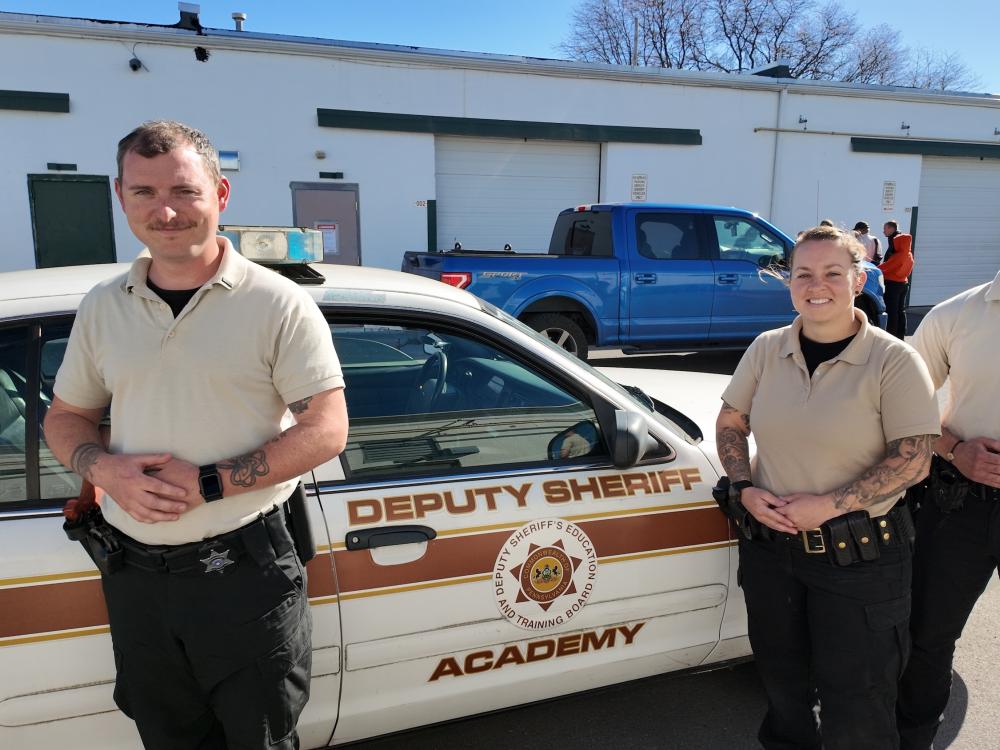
868, 308
562, 331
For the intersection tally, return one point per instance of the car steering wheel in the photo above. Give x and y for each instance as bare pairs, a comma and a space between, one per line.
430, 380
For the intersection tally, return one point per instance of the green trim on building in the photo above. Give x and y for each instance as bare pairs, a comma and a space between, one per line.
34, 101
432, 225
554, 131
925, 148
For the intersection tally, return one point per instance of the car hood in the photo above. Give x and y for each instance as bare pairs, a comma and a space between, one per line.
697, 395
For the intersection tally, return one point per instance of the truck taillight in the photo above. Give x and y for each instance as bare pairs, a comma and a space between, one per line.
459, 280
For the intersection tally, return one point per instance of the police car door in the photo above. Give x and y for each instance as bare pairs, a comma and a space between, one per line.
56, 664
487, 551
57, 668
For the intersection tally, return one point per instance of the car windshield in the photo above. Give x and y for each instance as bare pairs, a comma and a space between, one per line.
642, 401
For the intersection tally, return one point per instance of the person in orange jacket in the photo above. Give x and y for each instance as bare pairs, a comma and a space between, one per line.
896, 266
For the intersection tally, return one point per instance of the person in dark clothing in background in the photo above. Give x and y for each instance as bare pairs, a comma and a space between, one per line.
896, 266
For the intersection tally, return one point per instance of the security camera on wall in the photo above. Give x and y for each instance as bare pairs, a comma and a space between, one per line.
134, 64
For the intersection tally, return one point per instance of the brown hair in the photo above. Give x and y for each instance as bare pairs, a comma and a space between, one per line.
892, 223
162, 136
840, 237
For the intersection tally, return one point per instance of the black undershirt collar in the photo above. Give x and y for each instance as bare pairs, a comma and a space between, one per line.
177, 299
815, 352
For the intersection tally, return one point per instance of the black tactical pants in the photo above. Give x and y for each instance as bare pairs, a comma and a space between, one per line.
215, 656
955, 556
895, 308
830, 643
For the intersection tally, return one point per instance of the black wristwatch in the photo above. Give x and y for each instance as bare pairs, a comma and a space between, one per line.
209, 482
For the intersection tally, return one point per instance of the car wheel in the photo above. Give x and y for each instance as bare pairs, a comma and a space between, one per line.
867, 307
562, 331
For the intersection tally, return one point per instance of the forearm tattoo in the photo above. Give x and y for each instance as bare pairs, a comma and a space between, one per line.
905, 463
84, 458
300, 406
244, 470
733, 446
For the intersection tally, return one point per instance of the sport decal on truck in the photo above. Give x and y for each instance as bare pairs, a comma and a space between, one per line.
540, 650
544, 574
514, 275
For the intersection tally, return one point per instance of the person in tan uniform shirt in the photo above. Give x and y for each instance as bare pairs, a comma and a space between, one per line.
843, 416
201, 355
958, 530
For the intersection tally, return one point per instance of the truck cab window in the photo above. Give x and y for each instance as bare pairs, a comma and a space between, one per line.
583, 234
740, 239
668, 237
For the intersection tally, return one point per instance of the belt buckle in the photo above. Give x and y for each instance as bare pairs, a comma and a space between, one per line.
812, 542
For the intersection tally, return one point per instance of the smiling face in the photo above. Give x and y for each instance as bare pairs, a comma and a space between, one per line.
172, 203
824, 282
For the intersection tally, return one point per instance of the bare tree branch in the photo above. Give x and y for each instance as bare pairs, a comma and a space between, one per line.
820, 42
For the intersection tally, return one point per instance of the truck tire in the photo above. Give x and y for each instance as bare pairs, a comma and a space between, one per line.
867, 307
562, 331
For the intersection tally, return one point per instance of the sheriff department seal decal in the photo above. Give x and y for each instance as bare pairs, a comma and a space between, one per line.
544, 574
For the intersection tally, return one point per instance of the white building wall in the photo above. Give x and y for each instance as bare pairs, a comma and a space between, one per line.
264, 105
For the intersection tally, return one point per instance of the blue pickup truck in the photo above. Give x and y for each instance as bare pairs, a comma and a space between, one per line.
642, 277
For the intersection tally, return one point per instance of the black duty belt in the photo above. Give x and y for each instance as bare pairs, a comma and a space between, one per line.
210, 555
984, 492
849, 538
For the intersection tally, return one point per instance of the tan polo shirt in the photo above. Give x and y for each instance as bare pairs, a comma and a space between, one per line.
209, 385
817, 434
960, 340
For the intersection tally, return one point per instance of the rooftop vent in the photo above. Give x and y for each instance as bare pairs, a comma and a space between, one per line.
239, 18
777, 69
189, 17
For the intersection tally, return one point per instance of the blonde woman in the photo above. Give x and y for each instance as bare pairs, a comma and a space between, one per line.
843, 416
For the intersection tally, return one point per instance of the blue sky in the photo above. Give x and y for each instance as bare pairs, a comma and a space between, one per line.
520, 27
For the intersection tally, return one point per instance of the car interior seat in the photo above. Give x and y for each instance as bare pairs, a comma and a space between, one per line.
12, 412
687, 248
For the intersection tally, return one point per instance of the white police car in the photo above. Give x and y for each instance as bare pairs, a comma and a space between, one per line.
506, 524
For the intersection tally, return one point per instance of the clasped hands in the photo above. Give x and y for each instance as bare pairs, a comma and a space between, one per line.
799, 511
150, 487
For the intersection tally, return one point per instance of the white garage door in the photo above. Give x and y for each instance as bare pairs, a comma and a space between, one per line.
958, 227
496, 191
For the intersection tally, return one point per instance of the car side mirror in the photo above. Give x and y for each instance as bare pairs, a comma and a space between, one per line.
631, 440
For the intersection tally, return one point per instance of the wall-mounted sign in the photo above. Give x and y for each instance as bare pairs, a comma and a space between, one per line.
639, 182
329, 230
889, 195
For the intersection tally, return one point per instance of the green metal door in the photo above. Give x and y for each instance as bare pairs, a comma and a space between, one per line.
71, 219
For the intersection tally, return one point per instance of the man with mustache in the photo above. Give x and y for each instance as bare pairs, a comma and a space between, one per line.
201, 356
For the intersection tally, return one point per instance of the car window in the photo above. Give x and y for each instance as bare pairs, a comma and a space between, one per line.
55, 480
740, 239
425, 400
668, 237
13, 414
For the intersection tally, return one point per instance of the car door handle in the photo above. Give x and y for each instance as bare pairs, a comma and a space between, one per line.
385, 536
645, 278
727, 278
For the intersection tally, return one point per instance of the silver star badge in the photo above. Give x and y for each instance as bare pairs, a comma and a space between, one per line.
217, 561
